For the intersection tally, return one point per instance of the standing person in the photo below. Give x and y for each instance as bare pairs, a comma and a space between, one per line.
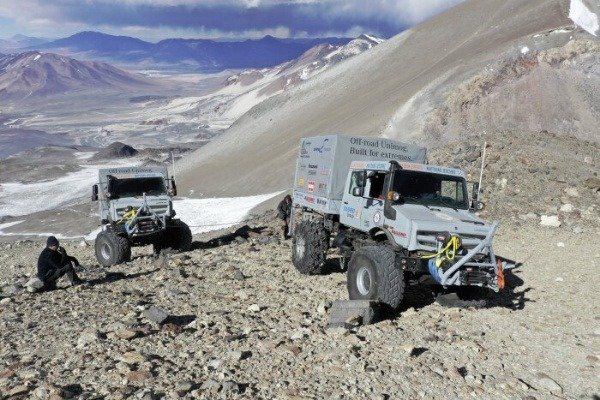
284, 211
53, 263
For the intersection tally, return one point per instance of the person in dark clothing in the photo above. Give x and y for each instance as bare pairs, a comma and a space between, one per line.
284, 211
53, 263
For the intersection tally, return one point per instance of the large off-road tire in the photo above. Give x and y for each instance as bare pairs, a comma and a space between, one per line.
178, 236
374, 275
112, 249
309, 247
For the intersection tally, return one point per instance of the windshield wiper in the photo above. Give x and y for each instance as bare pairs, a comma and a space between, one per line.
420, 202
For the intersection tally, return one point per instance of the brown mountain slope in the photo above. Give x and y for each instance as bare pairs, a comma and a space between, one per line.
34, 74
428, 85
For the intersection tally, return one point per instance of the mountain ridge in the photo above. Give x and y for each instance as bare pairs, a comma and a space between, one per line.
206, 54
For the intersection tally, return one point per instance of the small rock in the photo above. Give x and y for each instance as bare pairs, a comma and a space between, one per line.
560, 244
210, 385
238, 275
5, 300
592, 183
138, 376
550, 221
323, 307
184, 387
214, 364
133, 357
156, 314
231, 387
126, 334
559, 279
544, 381
592, 359
572, 192
18, 390
567, 208
88, 338
254, 308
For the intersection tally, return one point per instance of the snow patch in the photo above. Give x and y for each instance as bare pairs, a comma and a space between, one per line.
37, 57
525, 50
8, 225
205, 215
26, 198
584, 17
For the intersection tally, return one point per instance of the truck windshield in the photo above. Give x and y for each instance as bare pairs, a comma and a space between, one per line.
431, 189
135, 187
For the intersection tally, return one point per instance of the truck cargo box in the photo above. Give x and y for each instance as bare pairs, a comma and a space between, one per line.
324, 161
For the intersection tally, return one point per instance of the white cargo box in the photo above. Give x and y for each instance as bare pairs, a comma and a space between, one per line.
324, 162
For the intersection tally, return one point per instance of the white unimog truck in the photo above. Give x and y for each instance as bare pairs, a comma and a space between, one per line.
136, 209
391, 215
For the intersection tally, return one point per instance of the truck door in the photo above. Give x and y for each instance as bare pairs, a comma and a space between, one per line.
373, 200
352, 201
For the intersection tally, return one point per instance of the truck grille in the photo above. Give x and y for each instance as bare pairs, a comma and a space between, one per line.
426, 240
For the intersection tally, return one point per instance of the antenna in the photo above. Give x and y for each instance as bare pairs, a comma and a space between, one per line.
482, 166
173, 162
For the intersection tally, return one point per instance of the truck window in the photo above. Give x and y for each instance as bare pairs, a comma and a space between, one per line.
431, 189
135, 187
357, 179
376, 185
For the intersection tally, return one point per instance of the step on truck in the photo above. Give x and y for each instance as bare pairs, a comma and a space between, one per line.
391, 216
136, 209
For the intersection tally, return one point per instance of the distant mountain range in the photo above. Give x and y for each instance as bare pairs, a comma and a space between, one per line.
34, 74
18, 42
200, 54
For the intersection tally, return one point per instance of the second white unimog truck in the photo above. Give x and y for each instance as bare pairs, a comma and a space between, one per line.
392, 217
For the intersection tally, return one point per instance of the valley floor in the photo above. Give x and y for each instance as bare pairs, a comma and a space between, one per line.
245, 324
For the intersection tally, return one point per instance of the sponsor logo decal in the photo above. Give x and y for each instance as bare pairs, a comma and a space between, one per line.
310, 185
323, 147
303, 150
322, 186
377, 217
301, 182
321, 202
350, 211
309, 199
398, 233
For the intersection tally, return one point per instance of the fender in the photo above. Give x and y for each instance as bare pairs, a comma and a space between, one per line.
389, 236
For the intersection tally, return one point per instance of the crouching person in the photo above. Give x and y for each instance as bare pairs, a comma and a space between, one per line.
54, 263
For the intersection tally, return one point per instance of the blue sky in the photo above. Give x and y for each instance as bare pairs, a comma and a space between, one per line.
229, 19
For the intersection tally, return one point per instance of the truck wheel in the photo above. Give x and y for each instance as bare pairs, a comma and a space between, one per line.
373, 275
178, 236
112, 249
310, 244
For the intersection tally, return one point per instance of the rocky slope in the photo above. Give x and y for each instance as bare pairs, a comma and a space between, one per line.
242, 323
481, 67
35, 74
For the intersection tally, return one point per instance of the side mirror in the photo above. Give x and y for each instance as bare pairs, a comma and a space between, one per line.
173, 188
95, 193
358, 192
475, 190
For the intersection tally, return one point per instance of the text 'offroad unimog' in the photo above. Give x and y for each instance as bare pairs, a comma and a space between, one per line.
136, 209
392, 215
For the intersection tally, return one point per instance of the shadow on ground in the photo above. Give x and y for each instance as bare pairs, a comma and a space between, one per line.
242, 233
111, 277
513, 296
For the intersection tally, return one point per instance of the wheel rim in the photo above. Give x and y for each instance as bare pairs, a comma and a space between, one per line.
105, 251
363, 281
300, 247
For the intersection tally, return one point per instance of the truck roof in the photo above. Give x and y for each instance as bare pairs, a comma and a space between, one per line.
385, 166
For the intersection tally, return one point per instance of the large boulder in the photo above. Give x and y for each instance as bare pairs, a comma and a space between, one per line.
116, 150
